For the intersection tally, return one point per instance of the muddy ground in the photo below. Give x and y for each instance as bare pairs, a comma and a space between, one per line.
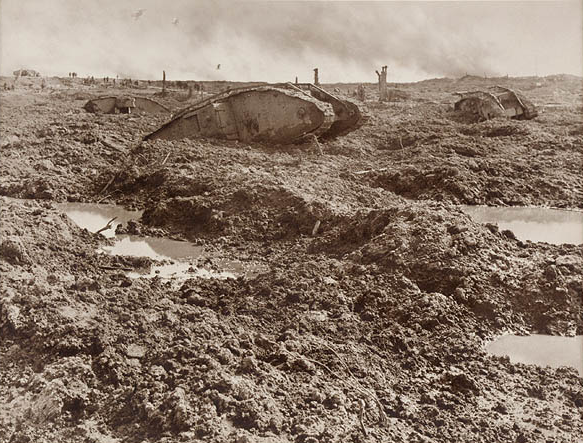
369, 328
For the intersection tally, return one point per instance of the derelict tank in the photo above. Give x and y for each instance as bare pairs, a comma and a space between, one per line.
280, 113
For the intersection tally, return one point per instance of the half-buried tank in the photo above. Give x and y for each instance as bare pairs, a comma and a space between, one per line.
126, 104
279, 113
498, 102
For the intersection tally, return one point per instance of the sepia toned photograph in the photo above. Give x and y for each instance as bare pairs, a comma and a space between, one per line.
265, 221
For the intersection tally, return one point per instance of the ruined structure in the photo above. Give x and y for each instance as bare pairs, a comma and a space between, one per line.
282, 113
501, 102
125, 105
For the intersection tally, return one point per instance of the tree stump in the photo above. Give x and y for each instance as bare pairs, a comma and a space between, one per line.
383, 96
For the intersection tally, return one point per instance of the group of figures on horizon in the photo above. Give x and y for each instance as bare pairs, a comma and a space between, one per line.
128, 82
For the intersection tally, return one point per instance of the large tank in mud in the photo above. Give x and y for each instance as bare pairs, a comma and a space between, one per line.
281, 113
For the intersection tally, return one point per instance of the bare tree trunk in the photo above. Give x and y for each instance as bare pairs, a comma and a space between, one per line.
163, 82
382, 83
316, 79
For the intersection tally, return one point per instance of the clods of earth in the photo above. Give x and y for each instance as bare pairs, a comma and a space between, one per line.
363, 300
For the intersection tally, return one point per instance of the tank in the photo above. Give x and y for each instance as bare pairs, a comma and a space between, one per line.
501, 102
126, 104
281, 113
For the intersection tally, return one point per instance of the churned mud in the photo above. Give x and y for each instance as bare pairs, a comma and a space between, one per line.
372, 294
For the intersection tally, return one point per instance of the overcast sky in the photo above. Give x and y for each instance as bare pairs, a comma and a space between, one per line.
279, 40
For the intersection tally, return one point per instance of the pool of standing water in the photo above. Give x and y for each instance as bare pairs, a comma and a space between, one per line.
555, 226
179, 259
93, 216
542, 350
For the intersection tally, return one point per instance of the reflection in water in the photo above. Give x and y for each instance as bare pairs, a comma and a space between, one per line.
543, 350
164, 249
535, 224
155, 248
93, 217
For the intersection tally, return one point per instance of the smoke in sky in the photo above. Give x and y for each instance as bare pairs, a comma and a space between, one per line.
276, 41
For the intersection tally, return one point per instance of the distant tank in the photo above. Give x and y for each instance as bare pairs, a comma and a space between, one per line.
281, 113
501, 102
26, 73
125, 105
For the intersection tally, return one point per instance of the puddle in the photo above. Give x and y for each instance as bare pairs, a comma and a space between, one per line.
553, 226
542, 350
93, 216
180, 259
154, 248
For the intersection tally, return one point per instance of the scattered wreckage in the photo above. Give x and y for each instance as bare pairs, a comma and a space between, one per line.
125, 105
501, 102
279, 113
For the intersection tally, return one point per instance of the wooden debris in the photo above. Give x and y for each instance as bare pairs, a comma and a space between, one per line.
368, 171
107, 226
108, 143
115, 268
316, 227
362, 405
107, 184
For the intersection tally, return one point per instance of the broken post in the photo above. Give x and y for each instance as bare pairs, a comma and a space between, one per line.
163, 82
316, 79
361, 93
382, 83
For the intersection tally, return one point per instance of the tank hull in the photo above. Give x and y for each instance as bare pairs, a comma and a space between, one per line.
280, 114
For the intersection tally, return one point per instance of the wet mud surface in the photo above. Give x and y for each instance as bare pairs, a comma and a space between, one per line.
376, 294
